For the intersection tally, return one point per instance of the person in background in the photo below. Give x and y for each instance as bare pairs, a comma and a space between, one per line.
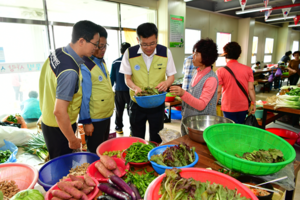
294, 68
16, 83
60, 89
30, 108
97, 96
256, 66
286, 58
122, 91
188, 70
201, 97
234, 103
147, 65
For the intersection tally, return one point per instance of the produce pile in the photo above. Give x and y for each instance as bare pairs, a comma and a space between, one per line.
263, 156
28, 195
113, 153
78, 170
8, 188
256, 191
175, 156
284, 101
294, 92
4, 155
78, 188
138, 152
149, 92
175, 187
107, 166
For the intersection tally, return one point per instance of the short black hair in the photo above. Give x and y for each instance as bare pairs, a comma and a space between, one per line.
147, 30
258, 63
102, 31
84, 29
124, 47
232, 50
33, 94
298, 52
288, 53
208, 49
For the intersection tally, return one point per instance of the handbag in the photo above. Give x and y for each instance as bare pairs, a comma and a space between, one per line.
239, 84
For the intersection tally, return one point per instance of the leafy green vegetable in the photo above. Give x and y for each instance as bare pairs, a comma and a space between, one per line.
263, 156
149, 91
113, 153
137, 152
1, 195
30, 194
175, 156
294, 92
4, 155
174, 187
12, 118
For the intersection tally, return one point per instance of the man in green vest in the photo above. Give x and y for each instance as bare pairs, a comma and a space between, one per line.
97, 98
147, 65
60, 89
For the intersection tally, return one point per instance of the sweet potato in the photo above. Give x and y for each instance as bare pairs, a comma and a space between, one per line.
101, 168
75, 178
60, 194
87, 190
89, 181
84, 197
68, 188
108, 162
77, 184
117, 172
56, 198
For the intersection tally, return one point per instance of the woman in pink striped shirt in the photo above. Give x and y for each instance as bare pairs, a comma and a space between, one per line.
201, 97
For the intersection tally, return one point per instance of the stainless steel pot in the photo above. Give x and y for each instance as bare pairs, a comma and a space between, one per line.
195, 125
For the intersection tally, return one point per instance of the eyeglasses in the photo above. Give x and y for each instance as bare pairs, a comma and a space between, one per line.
96, 45
103, 46
149, 45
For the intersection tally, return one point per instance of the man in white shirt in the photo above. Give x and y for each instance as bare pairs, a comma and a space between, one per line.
147, 65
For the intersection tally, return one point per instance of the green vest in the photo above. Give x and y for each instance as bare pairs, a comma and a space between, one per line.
55, 65
140, 75
102, 96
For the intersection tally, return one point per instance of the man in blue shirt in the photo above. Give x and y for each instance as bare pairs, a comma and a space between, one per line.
97, 96
122, 91
188, 70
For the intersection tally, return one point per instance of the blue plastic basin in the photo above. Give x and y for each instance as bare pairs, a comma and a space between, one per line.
161, 169
59, 167
151, 101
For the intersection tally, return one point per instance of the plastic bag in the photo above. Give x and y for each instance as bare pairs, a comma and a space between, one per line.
13, 148
18, 136
278, 72
271, 78
168, 135
251, 121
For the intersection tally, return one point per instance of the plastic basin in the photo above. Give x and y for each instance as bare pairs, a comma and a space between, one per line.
24, 175
175, 114
118, 144
151, 101
59, 167
91, 195
289, 136
259, 114
226, 140
204, 175
170, 99
93, 171
161, 169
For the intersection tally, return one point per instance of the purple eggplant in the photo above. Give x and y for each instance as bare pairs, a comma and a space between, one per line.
122, 184
108, 189
106, 197
114, 185
136, 191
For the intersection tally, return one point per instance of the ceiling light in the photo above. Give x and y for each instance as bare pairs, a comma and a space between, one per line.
294, 25
253, 10
280, 18
187, 0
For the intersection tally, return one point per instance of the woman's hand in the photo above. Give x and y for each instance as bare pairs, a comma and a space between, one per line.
176, 90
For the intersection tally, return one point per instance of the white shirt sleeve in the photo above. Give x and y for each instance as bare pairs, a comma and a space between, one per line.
125, 65
171, 69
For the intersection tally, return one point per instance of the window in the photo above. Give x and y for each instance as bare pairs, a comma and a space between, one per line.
295, 47
222, 40
191, 37
113, 50
254, 49
268, 50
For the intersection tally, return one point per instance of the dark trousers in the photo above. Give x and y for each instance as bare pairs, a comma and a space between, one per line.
121, 98
56, 142
237, 117
139, 116
100, 134
18, 93
294, 79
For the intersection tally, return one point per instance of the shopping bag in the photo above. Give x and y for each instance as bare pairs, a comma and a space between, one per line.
271, 78
251, 121
13, 148
278, 72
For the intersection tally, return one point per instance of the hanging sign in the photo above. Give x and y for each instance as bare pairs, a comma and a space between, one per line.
266, 2
267, 14
243, 4
286, 12
20, 67
176, 31
296, 19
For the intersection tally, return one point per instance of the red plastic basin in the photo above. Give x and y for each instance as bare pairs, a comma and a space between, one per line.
289, 136
204, 175
116, 144
170, 99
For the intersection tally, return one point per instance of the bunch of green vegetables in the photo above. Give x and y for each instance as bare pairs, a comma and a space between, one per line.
12, 118
294, 92
148, 91
141, 181
37, 146
137, 152
4, 155
175, 187
263, 156
113, 153
285, 101
175, 156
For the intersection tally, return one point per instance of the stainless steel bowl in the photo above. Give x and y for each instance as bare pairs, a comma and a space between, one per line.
195, 125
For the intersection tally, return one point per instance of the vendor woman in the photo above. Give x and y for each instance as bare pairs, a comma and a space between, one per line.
201, 97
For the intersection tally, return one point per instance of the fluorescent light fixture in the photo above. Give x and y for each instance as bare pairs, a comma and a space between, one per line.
280, 18
253, 10
294, 25
187, 0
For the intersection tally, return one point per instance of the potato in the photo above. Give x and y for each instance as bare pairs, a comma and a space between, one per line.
108, 162
75, 178
89, 181
77, 184
101, 168
60, 194
87, 190
56, 198
117, 172
68, 188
